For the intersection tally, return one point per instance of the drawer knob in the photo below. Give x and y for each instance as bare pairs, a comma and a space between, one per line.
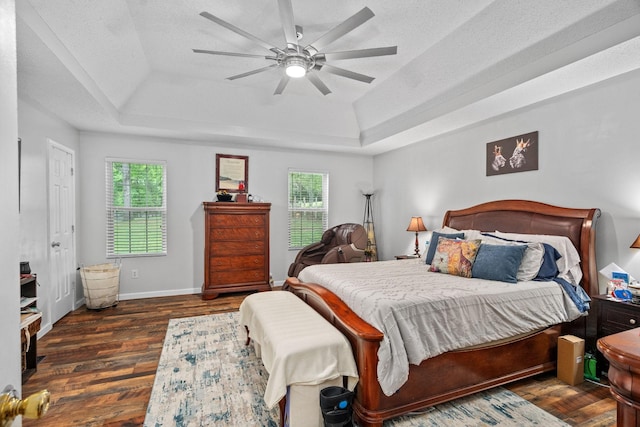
632, 321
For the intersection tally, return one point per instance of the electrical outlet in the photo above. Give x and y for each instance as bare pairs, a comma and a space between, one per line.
134, 274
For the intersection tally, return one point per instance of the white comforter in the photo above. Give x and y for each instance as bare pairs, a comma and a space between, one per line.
423, 314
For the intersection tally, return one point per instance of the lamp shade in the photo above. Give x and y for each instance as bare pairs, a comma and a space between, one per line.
636, 243
416, 224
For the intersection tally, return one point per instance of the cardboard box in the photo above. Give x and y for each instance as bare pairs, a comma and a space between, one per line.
571, 359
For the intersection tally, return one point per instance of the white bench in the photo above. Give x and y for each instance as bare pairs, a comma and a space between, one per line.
301, 351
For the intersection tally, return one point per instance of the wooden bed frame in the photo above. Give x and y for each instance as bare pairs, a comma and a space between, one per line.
463, 372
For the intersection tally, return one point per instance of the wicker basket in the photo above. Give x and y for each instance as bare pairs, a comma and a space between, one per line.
101, 284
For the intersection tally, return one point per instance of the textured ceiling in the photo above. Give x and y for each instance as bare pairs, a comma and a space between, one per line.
127, 66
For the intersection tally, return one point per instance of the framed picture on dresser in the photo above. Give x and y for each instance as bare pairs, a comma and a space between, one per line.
232, 173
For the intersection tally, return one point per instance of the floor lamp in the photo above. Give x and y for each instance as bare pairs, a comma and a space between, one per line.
371, 252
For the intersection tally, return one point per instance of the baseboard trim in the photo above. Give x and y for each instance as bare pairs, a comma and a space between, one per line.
154, 294
167, 293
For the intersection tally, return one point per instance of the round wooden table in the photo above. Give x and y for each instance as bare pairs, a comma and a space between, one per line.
622, 350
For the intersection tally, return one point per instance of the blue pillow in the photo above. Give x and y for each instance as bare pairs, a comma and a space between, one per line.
498, 262
433, 245
549, 268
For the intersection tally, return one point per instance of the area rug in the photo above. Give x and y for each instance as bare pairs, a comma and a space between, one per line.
208, 376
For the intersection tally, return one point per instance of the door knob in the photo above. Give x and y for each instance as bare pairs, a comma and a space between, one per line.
34, 406
54, 244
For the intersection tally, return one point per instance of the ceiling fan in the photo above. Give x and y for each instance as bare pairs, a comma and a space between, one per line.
298, 60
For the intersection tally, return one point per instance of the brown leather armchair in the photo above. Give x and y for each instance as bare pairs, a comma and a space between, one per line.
342, 243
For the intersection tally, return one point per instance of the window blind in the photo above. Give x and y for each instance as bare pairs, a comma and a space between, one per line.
136, 208
308, 207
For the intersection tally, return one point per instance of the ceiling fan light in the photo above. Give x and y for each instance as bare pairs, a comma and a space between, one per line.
296, 67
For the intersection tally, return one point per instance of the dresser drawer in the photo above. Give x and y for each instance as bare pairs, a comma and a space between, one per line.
236, 262
221, 249
219, 235
238, 276
240, 220
619, 317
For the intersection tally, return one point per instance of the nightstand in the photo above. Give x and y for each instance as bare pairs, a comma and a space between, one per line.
614, 317
406, 257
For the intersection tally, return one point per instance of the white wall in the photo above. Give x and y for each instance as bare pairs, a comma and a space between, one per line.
35, 128
589, 148
9, 261
191, 180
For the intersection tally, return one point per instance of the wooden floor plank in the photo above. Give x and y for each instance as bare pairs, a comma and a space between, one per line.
100, 366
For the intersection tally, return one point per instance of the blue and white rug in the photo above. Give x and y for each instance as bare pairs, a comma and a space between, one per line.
208, 376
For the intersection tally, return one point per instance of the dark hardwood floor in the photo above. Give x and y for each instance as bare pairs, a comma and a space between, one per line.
100, 365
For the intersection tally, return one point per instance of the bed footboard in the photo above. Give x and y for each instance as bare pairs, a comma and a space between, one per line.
440, 379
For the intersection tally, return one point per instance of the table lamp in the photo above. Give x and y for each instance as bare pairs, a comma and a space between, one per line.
416, 225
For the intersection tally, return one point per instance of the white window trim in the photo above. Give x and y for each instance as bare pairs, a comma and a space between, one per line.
325, 197
108, 192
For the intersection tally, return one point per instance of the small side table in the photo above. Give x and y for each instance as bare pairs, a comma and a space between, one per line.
613, 317
406, 257
622, 350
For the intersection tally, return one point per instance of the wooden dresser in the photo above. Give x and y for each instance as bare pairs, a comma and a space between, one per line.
236, 248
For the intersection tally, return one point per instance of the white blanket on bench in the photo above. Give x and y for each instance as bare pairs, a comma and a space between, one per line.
298, 345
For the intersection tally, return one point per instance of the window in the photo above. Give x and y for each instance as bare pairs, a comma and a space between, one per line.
308, 207
136, 208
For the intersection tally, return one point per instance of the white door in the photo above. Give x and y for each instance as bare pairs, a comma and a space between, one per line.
61, 230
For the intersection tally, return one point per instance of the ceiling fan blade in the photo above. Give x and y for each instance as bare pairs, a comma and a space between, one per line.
283, 83
252, 72
313, 78
239, 31
247, 55
288, 26
346, 73
362, 53
351, 23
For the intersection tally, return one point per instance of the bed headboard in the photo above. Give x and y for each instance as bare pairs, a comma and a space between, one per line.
523, 216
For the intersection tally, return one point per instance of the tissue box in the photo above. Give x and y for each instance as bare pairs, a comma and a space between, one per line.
571, 359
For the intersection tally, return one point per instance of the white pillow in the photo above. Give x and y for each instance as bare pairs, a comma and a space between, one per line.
472, 234
531, 261
447, 230
568, 265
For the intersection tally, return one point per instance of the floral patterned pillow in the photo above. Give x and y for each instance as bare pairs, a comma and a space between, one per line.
455, 256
